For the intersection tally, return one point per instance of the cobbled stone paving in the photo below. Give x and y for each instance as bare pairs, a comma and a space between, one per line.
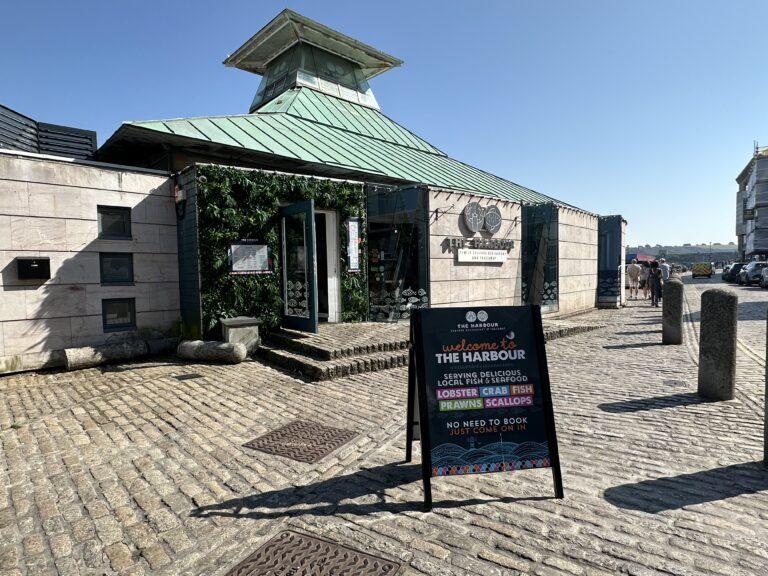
129, 470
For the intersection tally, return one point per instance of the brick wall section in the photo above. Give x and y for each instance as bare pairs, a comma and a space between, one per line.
455, 284
577, 265
48, 208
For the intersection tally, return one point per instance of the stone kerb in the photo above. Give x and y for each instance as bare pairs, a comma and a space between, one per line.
717, 344
672, 312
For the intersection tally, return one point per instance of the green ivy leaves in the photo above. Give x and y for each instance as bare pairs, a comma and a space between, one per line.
235, 204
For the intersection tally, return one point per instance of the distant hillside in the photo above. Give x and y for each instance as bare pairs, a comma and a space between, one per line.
687, 254
684, 249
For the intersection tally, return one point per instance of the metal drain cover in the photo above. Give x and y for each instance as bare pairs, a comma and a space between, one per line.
302, 440
293, 554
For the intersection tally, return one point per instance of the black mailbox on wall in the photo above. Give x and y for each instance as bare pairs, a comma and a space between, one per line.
34, 268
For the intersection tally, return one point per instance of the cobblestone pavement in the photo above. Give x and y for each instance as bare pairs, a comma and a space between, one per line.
133, 470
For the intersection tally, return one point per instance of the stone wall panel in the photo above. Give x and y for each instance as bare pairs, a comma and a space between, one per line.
48, 209
577, 265
462, 284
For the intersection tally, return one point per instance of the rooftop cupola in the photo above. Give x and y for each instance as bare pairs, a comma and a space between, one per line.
293, 50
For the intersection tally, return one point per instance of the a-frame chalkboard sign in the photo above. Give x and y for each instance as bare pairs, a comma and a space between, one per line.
479, 394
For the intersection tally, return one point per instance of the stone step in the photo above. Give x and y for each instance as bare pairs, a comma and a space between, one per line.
315, 369
312, 346
554, 330
316, 358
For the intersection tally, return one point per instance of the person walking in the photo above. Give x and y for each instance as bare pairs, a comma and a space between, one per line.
633, 273
665, 269
645, 269
655, 282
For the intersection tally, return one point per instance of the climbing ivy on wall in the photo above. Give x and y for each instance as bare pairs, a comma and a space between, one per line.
235, 204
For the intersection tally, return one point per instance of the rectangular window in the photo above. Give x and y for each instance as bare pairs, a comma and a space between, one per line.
540, 256
118, 314
116, 268
114, 222
397, 252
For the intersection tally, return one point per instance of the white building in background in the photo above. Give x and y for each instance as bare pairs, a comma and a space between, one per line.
752, 206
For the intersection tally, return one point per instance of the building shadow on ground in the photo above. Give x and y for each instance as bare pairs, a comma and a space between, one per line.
335, 495
675, 492
632, 344
654, 403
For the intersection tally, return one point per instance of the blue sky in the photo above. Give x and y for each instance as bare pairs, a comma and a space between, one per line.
647, 109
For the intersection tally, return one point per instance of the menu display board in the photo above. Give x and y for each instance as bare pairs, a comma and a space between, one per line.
483, 393
353, 245
249, 258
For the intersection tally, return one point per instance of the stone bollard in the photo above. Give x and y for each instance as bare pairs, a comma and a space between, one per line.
212, 351
717, 344
672, 312
242, 329
89, 356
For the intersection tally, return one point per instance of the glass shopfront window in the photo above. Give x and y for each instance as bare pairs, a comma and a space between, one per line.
540, 252
397, 252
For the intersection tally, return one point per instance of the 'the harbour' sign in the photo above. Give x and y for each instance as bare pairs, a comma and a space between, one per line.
484, 402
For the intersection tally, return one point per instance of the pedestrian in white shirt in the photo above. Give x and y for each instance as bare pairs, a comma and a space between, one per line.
633, 273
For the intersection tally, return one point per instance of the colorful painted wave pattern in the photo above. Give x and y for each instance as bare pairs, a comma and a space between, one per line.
451, 459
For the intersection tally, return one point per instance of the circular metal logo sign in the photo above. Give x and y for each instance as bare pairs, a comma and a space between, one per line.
473, 216
492, 221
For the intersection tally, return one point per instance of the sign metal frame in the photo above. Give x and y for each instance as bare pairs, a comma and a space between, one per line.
417, 391
249, 271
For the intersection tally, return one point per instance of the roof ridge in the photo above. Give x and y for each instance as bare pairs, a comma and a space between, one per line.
186, 119
299, 89
362, 135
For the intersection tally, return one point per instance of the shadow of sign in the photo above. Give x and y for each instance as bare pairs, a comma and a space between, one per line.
335, 496
675, 492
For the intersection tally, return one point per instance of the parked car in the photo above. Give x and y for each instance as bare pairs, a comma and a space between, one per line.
764, 278
751, 273
724, 273
733, 271
701, 269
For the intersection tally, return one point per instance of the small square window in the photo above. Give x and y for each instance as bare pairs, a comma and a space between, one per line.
116, 268
114, 222
118, 314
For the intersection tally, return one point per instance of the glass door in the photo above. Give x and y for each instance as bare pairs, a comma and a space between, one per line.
297, 228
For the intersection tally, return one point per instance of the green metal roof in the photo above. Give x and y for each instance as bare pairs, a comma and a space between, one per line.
314, 127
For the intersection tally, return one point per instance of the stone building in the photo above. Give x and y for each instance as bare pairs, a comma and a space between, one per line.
87, 257
315, 114
752, 206
312, 207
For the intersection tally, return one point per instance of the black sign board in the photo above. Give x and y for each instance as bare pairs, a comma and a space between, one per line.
479, 390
